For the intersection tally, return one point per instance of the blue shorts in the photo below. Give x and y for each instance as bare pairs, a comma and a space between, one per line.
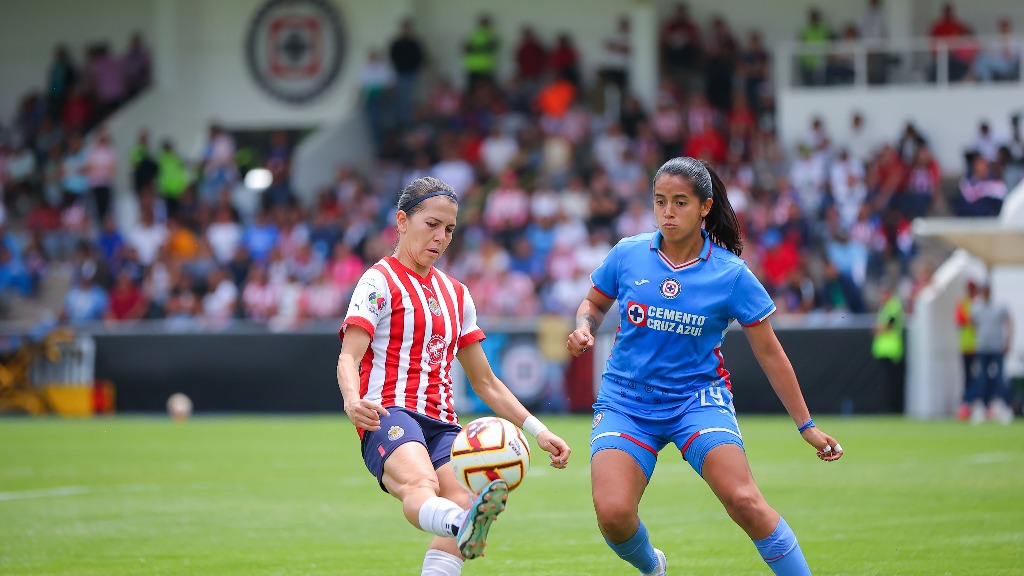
401, 426
706, 420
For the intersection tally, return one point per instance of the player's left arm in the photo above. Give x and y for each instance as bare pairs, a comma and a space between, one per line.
499, 398
773, 360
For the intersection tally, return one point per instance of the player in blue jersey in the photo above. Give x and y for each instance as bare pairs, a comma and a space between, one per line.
678, 289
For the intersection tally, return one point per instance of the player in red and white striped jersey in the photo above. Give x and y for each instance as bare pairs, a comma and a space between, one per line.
406, 324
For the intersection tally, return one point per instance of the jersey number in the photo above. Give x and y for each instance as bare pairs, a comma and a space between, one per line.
716, 396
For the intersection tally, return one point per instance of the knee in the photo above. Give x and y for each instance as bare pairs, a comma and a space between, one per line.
416, 488
746, 506
616, 518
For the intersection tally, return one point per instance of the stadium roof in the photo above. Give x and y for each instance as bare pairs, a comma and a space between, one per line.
992, 240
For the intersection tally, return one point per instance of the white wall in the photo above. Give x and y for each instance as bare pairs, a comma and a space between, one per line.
948, 118
29, 31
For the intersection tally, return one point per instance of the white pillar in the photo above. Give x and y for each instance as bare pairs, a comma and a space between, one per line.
643, 54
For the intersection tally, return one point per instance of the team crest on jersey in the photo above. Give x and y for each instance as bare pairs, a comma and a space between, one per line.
637, 313
670, 288
435, 348
435, 308
395, 432
597, 419
376, 302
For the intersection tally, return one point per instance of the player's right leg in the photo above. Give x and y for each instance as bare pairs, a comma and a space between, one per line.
622, 461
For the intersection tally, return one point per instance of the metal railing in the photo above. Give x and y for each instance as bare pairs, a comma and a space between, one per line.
896, 62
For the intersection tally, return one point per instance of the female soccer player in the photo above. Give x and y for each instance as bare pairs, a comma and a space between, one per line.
678, 289
406, 324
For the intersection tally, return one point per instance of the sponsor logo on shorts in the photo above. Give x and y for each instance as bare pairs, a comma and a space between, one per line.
380, 448
395, 432
597, 419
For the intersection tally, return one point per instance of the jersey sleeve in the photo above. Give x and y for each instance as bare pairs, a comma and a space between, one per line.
606, 278
749, 302
370, 301
471, 331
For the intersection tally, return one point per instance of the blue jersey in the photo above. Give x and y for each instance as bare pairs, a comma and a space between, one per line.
673, 319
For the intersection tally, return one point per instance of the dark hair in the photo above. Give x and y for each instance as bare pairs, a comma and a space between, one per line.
721, 223
416, 191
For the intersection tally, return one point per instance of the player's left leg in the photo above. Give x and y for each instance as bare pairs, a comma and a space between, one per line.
443, 557
727, 472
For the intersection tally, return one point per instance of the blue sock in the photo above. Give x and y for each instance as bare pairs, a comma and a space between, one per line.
637, 550
782, 552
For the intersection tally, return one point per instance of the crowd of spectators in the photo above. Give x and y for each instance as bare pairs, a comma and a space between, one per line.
45, 162
954, 52
551, 167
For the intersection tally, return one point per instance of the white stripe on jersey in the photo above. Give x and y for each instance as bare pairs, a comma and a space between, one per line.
407, 337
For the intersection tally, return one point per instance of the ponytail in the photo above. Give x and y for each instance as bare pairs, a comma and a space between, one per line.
721, 223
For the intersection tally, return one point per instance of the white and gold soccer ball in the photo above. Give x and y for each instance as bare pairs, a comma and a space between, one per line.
487, 449
179, 406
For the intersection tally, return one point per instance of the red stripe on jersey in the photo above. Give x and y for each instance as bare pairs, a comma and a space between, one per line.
601, 292
355, 321
439, 383
721, 369
419, 326
387, 395
472, 338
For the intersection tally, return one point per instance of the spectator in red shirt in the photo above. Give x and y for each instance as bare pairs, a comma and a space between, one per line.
706, 144
565, 60
531, 59
127, 303
961, 53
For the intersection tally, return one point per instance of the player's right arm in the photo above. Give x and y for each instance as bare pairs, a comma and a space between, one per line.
363, 413
368, 304
588, 319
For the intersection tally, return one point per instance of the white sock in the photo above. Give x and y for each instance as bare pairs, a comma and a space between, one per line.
439, 563
441, 516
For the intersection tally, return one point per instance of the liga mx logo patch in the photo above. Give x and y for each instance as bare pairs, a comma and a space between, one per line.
597, 419
295, 48
670, 288
376, 302
395, 432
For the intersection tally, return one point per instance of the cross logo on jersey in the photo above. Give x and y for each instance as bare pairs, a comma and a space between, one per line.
637, 313
435, 349
670, 288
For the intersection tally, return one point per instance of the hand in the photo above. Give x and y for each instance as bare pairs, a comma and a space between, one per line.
365, 414
556, 446
579, 342
828, 447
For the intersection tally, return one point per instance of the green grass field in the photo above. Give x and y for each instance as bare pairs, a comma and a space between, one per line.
290, 495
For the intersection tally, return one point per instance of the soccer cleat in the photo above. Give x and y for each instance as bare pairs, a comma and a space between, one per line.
662, 568
485, 509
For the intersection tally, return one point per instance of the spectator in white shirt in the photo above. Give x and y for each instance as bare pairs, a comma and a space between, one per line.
1002, 57
498, 149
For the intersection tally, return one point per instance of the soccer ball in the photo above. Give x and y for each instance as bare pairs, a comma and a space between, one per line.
487, 449
179, 406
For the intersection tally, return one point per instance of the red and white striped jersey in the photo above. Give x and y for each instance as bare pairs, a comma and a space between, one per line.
417, 325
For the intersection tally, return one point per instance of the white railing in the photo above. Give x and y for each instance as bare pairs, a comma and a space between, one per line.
903, 61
